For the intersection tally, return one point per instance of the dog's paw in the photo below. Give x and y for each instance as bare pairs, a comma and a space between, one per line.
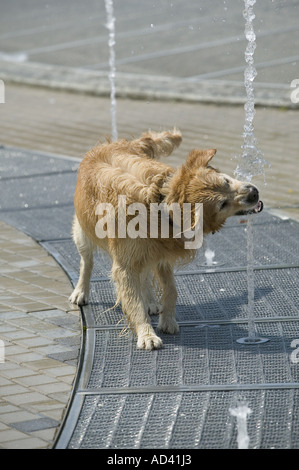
168, 325
78, 297
149, 342
154, 308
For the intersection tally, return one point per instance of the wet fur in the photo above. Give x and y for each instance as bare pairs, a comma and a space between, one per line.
132, 168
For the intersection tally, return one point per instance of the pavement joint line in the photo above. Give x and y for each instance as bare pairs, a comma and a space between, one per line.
260, 267
31, 208
222, 72
188, 388
169, 52
214, 270
37, 175
195, 323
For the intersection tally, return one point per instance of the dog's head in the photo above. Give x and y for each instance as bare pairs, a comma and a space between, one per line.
221, 195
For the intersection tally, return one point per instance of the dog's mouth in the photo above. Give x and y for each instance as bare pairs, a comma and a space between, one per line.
254, 210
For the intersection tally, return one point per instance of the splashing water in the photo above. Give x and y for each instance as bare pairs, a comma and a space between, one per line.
209, 255
241, 412
112, 73
251, 163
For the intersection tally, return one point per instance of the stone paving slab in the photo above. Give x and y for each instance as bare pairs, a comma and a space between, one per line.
41, 335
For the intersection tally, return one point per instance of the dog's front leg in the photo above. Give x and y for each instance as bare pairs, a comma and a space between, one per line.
153, 307
130, 295
167, 321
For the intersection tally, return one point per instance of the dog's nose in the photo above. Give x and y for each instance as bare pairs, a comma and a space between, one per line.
253, 194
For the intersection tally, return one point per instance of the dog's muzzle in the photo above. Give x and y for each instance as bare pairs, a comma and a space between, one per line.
253, 195
252, 198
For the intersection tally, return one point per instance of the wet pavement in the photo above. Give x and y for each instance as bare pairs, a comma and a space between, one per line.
191, 51
175, 397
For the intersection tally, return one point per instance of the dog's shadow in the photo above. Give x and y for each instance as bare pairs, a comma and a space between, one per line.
213, 325
221, 325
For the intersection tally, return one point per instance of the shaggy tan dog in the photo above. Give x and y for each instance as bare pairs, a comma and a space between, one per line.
129, 171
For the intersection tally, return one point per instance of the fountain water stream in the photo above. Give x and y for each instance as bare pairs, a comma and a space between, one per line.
251, 163
112, 73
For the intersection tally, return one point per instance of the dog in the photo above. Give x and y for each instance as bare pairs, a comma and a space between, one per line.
132, 170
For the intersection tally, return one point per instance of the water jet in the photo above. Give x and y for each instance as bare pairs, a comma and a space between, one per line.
251, 163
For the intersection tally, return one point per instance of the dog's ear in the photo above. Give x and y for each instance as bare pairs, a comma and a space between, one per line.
197, 158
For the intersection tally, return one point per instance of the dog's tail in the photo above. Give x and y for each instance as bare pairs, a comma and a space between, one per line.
159, 144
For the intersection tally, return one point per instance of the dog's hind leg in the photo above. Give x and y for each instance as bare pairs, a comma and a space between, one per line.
85, 247
129, 293
167, 321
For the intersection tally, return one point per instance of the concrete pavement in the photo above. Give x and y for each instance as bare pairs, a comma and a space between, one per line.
66, 123
191, 51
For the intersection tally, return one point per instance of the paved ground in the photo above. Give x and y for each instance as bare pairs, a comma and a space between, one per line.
41, 334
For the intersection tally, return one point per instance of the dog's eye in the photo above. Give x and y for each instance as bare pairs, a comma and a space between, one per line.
223, 205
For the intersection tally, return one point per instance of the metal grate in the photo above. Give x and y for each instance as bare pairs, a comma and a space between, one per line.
198, 355
277, 244
212, 297
179, 396
187, 421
